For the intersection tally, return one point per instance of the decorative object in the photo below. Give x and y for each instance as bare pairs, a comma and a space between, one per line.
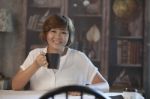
86, 2
93, 35
125, 9
93, 7
5, 21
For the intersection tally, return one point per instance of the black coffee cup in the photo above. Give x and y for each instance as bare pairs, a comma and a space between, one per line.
53, 60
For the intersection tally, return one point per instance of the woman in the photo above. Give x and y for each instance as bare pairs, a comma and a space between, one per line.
74, 68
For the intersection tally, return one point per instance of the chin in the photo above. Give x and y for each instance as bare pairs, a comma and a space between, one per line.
58, 47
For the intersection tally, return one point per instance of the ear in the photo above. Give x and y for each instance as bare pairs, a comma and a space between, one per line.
43, 37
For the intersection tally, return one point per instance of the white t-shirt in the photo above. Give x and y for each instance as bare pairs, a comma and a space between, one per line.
75, 68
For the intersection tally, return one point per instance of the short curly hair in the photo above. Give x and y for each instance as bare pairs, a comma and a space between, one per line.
58, 21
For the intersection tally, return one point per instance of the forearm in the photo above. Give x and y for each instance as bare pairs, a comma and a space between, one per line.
103, 86
22, 77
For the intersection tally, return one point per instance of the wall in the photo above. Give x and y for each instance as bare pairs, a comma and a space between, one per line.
12, 45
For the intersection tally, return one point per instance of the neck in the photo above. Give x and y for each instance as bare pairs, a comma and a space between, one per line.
62, 51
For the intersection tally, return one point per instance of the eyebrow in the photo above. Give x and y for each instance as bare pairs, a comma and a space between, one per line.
60, 28
64, 29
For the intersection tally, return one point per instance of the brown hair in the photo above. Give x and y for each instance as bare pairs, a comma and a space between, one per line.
57, 21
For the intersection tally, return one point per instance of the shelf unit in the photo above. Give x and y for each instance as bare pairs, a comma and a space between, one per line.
89, 27
126, 55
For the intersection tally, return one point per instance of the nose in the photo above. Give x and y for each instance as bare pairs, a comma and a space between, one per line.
58, 34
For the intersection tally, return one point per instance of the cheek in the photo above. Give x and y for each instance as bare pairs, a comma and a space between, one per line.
48, 36
66, 38
48, 39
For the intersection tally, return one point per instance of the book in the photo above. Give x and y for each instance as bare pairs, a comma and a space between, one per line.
129, 52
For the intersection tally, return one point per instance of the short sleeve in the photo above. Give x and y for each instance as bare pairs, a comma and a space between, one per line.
28, 61
91, 69
91, 74
31, 57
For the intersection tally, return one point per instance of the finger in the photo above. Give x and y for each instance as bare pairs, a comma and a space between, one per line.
46, 65
44, 62
45, 58
42, 53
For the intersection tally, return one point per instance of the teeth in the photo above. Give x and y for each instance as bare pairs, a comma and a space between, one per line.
56, 41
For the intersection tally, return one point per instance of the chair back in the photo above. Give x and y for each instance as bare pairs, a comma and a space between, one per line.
73, 88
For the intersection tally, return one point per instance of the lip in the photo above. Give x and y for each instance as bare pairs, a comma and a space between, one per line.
57, 42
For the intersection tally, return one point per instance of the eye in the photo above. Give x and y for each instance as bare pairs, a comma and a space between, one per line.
64, 32
53, 31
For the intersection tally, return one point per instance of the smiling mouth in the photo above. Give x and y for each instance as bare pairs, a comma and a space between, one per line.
57, 42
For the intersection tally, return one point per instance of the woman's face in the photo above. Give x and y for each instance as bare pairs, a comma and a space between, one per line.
57, 38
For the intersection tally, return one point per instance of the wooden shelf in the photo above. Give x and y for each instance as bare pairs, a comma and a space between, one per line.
40, 7
35, 30
127, 37
87, 15
129, 65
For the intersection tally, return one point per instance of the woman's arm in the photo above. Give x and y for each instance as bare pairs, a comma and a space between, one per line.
99, 83
23, 76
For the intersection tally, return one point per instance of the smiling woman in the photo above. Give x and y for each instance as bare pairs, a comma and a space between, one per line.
75, 68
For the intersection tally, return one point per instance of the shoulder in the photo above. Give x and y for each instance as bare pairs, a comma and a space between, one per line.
80, 59
76, 53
